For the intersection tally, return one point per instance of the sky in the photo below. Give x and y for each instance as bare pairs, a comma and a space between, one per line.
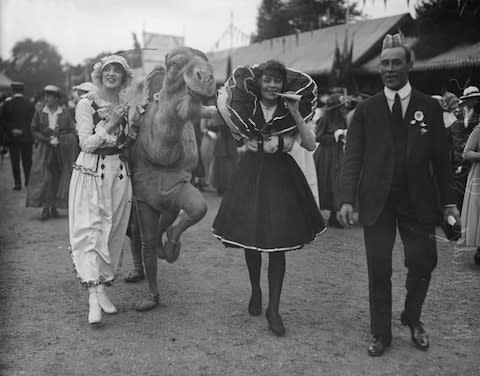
81, 29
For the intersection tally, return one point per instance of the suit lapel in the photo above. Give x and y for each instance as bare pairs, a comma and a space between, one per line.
384, 118
412, 130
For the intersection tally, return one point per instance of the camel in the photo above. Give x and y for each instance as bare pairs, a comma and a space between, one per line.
162, 157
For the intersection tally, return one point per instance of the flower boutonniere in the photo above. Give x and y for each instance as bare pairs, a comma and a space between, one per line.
418, 118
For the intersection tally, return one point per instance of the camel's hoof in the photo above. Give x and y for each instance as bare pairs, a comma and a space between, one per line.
160, 253
171, 251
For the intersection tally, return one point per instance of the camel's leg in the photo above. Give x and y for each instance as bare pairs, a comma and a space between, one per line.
191, 201
166, 220
148, 219
133, 232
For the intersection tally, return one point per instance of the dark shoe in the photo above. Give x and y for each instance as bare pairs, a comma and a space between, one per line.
54, 213
171, 250
134, 276
45, 214
379, 344
275, 323
255, 304
148, 303
418, 334
17, 188
333, 221
476, 257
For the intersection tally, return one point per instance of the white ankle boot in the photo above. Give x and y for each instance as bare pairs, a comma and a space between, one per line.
104, 302
95, 312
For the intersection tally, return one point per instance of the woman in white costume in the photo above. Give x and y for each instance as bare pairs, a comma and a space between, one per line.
100, 188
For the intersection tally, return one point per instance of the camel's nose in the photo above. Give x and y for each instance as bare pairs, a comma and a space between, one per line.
204, 74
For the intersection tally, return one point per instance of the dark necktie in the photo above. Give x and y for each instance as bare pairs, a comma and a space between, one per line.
397, 110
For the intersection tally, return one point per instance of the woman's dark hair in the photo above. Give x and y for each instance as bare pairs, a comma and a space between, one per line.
272, 68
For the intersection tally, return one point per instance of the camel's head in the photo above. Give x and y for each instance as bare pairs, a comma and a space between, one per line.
188, 69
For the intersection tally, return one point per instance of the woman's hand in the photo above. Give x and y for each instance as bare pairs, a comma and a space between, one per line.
115, 116
292, 105
53, 141
117, 113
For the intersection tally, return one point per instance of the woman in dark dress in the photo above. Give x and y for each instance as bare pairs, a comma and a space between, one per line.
269, 206
330, 134
53, 157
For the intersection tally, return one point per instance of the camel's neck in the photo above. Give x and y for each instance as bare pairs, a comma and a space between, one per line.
172, 114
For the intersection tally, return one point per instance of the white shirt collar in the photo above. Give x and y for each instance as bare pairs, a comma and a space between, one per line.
56, 112
404, 92
18, 95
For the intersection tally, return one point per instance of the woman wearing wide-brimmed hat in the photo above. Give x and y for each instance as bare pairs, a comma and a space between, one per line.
100, 189
268, 207
56, 149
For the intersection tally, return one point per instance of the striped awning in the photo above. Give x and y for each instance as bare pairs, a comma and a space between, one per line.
4, 81
311, 52
462, 56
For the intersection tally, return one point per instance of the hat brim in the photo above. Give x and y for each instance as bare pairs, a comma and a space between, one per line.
56, 93
473, 95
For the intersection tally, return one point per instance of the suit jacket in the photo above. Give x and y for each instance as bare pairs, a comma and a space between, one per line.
369, 158
17, 113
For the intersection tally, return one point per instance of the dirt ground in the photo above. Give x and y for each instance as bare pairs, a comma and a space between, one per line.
204, 328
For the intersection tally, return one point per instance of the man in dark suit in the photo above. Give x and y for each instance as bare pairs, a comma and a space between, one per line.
16, 117
396, 146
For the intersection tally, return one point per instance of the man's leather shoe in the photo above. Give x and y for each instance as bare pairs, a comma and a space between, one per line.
418, 334
17, 188
379, 344
54, 213
476, 257
45, 214
275, 323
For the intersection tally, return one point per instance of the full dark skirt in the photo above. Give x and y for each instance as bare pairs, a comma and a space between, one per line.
269, 206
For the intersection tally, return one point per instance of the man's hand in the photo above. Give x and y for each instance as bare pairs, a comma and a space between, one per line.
458, 170
453, 212
346, 215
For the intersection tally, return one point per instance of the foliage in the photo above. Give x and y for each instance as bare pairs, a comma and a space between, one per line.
36, 63
443, 24
277, 18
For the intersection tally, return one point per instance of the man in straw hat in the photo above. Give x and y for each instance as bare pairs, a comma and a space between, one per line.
394, 138
468, 119
16, 116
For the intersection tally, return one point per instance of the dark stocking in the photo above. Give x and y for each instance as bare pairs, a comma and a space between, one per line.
276, 272
254, 264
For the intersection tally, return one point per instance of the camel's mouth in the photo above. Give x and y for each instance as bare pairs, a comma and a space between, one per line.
196, 95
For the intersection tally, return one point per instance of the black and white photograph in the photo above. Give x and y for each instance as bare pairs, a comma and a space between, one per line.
241, 188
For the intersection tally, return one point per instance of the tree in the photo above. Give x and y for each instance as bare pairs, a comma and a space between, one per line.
36, 63
442, 24
277, 18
